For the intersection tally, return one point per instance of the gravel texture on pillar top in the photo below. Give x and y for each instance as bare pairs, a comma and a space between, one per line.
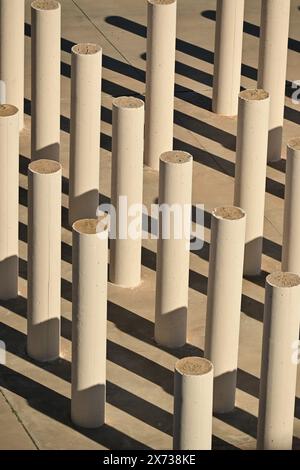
173, 250
84, 162
273, 53
228, 56
45, 83
44, 259
291, 231
250, 173
127, 181
280, 354
9, 201
89, 321
193, 404
224, 294
160, 79
12, 41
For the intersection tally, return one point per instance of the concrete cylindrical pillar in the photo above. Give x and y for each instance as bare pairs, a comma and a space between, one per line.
45, 79
250, 173
228, 56
173, 250
127, 182
160, 79
278, 367
44, 259
275, 18
90, 257
224, 302
193, 403
12, 42
291, 230
85, 131
9, 201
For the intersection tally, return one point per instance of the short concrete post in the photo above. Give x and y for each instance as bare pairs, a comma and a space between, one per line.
193, 403
12, 42
9, 201
160, 79
278, 365
275, 18
127, 182
224, 302
250, 174
291, 231
44, 259
173, 250
85, 131
228, 56
90, 257
45, 79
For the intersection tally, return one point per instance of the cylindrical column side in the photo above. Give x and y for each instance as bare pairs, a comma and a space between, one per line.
12, 42
90, 257
44, 259
160, 79
278, 366
173, 250
45, 79
224, 294
127, 191
9, 201
193, 402
85, 131
250, 173
291, 231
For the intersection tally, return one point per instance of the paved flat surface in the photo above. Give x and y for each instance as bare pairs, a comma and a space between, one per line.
35, 399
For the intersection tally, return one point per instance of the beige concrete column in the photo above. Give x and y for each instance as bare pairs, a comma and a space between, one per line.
12, 53
193, 404
127, 182
44, 259
275, 18
90, 258
250, 173
173, 250
85, 131
228, 56
160, 79
278, 367
9, 201
291, 231
224, 294
45, 79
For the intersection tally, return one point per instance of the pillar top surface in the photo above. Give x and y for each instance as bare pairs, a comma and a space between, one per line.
91, 226
7, 110
193, 366
45, 167
282, 279
229, 213
176, 157
294, 144
86, 48
45, 5
161, 2
129, 102
254, 95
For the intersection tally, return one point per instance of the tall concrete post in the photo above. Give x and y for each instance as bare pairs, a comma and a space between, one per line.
160, 79
85, 131
275, 18
291, 230
173, 250
45, 79
127, 182
193, 404
90, 257
250, 173
224, 294
44, 259
278, 366
9, 201
228, 56
12, 40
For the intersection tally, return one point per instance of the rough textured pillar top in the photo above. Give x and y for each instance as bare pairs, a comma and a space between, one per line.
176, 156
45, 5
86, 49
254, 95
228, 213
91, 226
193, 366
162, 2
294, 144
7, 110
282, 280
128, 102
45, 167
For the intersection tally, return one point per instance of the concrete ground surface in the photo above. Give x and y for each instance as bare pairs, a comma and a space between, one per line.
35, 398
